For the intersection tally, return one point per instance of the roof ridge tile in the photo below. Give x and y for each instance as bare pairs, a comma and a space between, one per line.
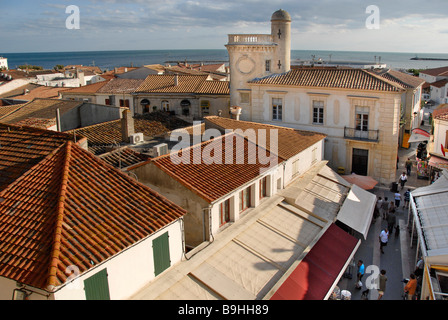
55, 252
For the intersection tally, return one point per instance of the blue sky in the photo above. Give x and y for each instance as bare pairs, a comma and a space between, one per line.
40, 26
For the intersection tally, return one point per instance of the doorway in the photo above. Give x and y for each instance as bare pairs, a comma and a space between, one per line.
360, 161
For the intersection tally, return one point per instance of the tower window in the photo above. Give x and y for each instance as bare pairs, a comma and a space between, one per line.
268, 65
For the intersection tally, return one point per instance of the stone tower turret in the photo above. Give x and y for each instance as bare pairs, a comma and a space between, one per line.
258, 55
281, 34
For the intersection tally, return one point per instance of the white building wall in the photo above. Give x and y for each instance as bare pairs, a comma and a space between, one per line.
129, 270
440, 135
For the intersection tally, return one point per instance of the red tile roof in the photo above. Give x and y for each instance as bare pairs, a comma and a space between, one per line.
186, 84
212, 181
349, 78
290, 141
23, 147
403, 79
39, 108
73, 209
442, 71
90, 88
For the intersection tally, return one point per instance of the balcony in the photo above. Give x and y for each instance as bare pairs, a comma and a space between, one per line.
361, 135
250, 39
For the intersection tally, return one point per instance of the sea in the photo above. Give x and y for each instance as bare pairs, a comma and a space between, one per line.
107, 60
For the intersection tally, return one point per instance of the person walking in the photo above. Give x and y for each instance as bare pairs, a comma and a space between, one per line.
397, 198
384, 208
360, 274
407, 198
382, 279
390, 208
402, 180
391, 220
384, 238
408, 166
411, 287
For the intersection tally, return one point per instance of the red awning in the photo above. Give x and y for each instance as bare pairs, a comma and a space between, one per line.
317, 273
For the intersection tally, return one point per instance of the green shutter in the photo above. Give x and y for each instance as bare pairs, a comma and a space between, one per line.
161, 253
97, 287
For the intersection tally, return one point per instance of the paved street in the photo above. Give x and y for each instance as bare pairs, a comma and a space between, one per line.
398, 258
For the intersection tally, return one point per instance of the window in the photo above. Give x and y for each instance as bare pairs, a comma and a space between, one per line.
165, 105
245, 199
97, 287
245, 97
277, 109
185, 105
161, 253
124, 103
362, 118
268, 65
224, 212
295, 167
205, 107
263, 187
318, 112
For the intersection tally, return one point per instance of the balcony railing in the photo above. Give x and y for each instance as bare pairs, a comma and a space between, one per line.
363, 135
250, 39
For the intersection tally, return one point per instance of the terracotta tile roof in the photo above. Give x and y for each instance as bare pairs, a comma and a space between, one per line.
23, 147
441, 112
73, 209
41, 92
121, 85
5, 110
290, 141
212, 181
39, 108
403, 79
123, 157
90, 88
439, 84
100, 136
442, 71
343, 78
199, 84
37, 123
214, 87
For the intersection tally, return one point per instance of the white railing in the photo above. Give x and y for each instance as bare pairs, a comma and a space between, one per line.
249, 38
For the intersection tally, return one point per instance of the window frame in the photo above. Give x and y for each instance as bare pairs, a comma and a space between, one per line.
318, 112
277, 109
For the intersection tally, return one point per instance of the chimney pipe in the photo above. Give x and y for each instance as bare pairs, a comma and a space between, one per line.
176, 80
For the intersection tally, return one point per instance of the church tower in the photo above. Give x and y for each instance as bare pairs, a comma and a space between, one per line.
258, 55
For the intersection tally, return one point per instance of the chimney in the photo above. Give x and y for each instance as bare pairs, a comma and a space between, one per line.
176, 80
127, 126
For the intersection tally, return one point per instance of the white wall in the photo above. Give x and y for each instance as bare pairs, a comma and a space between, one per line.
129, 270
440, 130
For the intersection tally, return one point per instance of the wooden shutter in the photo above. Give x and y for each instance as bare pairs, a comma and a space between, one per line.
161, 253
97, 287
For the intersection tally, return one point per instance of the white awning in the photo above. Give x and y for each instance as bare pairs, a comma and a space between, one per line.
357, 210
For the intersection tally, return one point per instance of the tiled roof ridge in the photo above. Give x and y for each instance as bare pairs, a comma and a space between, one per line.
390, 82
20, 106
57, 238
263, 124
355, 72
39, 130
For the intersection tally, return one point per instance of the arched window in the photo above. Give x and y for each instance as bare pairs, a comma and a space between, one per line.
145, 105
165, 105
185, 105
